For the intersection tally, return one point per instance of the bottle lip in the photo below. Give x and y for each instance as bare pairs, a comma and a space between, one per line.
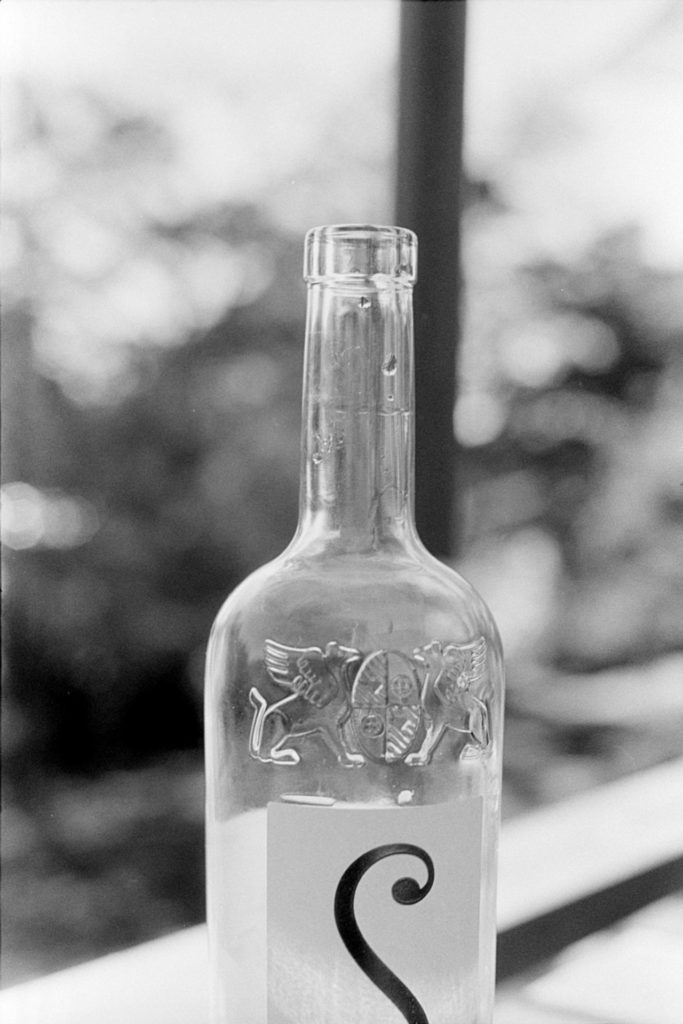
360, 253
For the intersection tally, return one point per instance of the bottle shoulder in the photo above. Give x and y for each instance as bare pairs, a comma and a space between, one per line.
402, 597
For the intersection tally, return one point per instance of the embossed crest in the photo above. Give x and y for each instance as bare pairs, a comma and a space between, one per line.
385, 701
385, 707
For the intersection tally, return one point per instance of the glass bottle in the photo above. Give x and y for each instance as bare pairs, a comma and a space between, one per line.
354, 707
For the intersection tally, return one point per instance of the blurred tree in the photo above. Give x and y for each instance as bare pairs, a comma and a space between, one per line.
178, 444
570, 384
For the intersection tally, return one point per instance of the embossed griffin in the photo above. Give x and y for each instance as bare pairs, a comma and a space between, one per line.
452, 670
318, 684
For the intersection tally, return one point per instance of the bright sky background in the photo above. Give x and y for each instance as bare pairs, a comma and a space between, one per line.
616, 155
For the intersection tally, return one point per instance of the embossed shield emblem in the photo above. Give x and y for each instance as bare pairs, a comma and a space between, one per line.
385, 706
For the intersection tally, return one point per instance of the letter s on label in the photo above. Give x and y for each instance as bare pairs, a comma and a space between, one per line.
405, 891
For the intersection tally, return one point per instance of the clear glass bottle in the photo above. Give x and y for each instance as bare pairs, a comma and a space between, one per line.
354, 706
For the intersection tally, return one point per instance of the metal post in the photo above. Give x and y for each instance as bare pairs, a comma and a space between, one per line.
431, 84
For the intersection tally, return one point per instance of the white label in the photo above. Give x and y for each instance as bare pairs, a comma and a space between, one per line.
342, 948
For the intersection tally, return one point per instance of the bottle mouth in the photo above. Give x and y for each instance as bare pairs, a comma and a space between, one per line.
360, 252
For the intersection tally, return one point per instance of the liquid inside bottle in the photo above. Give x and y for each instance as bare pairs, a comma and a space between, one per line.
354, 698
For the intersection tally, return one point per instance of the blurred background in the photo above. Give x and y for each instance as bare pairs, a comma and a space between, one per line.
162, 160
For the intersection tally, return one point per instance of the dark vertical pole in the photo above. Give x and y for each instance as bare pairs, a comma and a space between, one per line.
431, 83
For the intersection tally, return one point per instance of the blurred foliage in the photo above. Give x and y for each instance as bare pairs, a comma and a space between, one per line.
572, 376
98, 865
179, 446
572, 382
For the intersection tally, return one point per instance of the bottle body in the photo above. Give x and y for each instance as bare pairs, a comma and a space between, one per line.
353, 743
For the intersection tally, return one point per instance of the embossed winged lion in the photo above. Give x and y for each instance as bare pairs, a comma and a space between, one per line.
451, 672
317, 703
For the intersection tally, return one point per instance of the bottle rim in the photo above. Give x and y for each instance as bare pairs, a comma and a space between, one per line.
358, 252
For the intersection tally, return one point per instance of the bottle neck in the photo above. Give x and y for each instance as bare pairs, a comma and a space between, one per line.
358, 419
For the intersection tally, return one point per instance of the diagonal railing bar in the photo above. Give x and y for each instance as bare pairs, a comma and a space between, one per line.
577, 867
